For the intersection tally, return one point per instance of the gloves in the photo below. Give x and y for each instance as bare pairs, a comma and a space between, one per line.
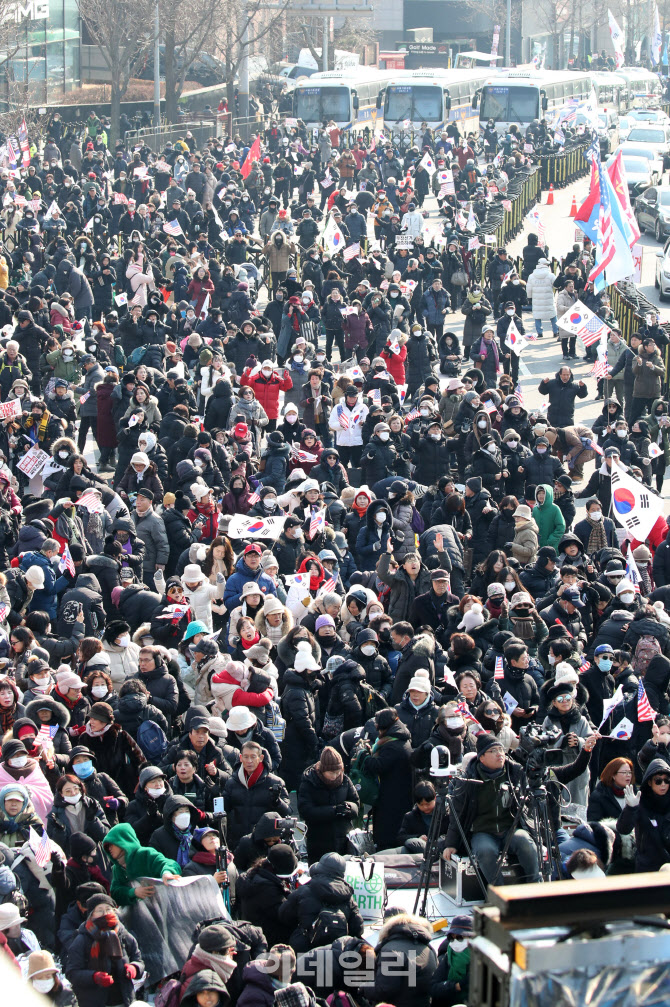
103, 979
111, 802
632, 799
131, 971
220, 578
377, 547
159, 576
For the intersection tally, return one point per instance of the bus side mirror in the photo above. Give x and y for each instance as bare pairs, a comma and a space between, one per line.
378, 102
545, 103
475, 99
447, 102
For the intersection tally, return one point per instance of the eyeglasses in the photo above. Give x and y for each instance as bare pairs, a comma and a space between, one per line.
564, 699
492, 713
660, 780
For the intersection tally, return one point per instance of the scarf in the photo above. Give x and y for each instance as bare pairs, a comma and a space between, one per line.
205, 857
473, 297
524, 627
330, 784
249, 781
7, 716
246, 644
597, 536
487, 348
184, 837
359, 510
106, 947
97, 734
274, 633
224, 967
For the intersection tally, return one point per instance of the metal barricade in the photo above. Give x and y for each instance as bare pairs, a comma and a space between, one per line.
630, 307
155, 137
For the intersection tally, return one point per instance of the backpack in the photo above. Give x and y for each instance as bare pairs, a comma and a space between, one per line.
137, 356
647, 647
168, 994
274, 720
373, 701
151, 739
367, 786
327, 927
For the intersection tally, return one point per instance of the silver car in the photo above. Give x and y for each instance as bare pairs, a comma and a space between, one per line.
662, 277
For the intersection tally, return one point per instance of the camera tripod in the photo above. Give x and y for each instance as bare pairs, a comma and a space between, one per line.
534, 802
443, 800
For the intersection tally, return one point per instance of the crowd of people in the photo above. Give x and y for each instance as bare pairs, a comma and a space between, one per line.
263, 551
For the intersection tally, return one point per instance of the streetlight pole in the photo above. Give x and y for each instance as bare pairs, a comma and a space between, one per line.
508, 32
157, 67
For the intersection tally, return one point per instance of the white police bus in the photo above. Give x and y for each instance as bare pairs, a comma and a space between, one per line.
346, 97
435, 97
519, 96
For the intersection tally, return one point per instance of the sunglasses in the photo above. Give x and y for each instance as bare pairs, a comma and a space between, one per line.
659, 780
564, 699
492, 713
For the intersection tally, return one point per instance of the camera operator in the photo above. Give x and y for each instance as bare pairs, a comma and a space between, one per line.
269, 830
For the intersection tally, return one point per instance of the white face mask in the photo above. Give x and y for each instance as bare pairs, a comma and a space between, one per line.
622, 433
454, 723
19, 762
596, 515
298, 358
380, 517
509, 311
384, 435
460, 944
99, 691
481, 424
424, 412
43, 985
491, 448
291, 418
627, 597
124, 640
75, 799
156, 792
369, 649
513, 445
42, 682
182, 820
541, 451
551, 659
434, 437
510, 585
266, 372
63, 454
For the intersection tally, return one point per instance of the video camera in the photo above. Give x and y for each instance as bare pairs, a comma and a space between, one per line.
441, 766
541, 752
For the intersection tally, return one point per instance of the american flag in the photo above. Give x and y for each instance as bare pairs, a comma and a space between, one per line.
584, 665
92, 502
329, 585
518, 392
462, 707
253, 498
342, 418
644, 710
172, 227
12, 152
41, 849
318, 522
605, 249
600, 369
592, 331
351, 252
66, 562
499, 669
48, 732
413, 415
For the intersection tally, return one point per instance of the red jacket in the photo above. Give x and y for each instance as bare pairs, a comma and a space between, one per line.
395, 364
267, 390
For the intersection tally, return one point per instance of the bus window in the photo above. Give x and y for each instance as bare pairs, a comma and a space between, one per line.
398, 103
427, 103
523, 104
494, 103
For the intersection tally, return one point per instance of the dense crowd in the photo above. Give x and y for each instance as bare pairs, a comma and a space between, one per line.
265, 548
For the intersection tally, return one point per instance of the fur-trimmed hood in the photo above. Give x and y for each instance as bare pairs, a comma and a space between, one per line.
59, 714
406, 926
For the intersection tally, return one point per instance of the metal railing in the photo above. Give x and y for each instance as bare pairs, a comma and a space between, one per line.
631, 306
156, 137
561, 169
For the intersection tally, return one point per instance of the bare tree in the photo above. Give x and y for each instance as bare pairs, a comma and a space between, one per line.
248, 26
124, 31
185, 27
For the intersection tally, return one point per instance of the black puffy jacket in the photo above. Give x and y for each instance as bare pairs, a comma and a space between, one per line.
326, 890
318, 805
245, 805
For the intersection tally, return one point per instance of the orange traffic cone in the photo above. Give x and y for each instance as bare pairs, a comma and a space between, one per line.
550, 195
573, 208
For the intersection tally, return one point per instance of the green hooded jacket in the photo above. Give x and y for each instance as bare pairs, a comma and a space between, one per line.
141, 862
548, 518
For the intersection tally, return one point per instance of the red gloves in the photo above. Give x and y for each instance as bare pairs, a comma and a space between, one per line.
131, 971
103, 979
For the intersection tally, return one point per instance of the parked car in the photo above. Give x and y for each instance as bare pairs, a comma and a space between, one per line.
655, 136
629, 149
662, 277
652, 210
639, 174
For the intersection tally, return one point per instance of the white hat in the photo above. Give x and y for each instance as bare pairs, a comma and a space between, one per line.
420, 682
309, 484
267, 363
35, 574
251, 587
240, 718
621, 588
140, 458
9, 916
565, 673
192, 573
200, 490
68, 680
304, 659
217, 727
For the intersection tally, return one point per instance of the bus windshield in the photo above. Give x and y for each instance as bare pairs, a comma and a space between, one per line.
321, 104
413, 101
505, 103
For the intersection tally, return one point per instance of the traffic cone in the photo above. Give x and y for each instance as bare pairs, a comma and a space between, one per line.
573, 208
550, 195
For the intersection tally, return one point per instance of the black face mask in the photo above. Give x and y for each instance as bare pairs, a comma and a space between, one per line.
237, 490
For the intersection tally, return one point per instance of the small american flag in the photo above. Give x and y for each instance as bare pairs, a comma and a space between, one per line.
318, 522
584, 665
499, 670
172, 227
518, 392
41, 849
48, 731
413, 415
644, 710
351, 252
329, 585
92, 502
254, 498
599, 369
462, 707
592, 331
66, 562
342, 418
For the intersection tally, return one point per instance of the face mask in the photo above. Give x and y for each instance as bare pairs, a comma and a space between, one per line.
321, 357
516, 282
75, 799
67, 354
280, 297
551, 659
99, 691
509, 311
124, 640
384, 435
19, 762
183, 820
541, 451
454, 723
269, 504
510, 585
266, 372
458, 945
621, 433
369, 649
481, 424
596, 515
434, 437
491, 448
298, 358
156, 792
605, 664
83, 770
380, 517
627, 597
43, 985
306, 300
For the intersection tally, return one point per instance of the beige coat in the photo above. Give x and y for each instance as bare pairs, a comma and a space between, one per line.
526, 542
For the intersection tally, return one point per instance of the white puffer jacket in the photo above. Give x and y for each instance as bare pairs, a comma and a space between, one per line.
540, 289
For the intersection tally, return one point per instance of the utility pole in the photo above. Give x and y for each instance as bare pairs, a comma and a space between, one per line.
508, 34
157, 67
243, 90
324, 43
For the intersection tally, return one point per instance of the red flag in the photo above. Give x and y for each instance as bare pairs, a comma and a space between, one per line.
251, 158
586, 209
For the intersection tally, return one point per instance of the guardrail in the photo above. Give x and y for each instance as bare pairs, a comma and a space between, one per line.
631, 306
560, 170
156, 137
